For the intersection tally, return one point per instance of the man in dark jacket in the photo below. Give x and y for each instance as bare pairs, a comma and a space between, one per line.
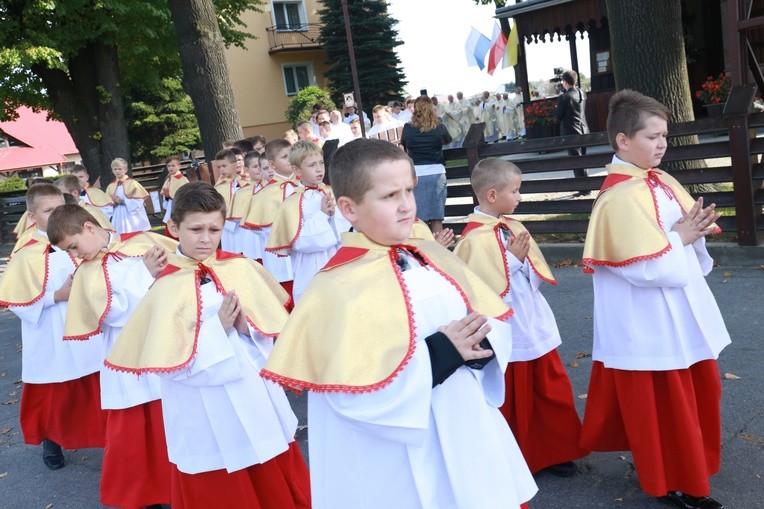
570, 112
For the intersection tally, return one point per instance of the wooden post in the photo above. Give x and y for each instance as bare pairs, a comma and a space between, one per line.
473, 142
736, 111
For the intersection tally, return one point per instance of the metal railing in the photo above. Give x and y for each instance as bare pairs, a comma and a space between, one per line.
293, 37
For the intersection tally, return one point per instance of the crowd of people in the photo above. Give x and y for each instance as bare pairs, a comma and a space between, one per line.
433, 378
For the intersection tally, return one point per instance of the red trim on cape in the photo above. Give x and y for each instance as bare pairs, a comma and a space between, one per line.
6, 304
299, 228
472, 225
99, 329
613, 179
169, 269
344, 255
184, 364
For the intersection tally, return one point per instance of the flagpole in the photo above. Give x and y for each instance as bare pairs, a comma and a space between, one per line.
353, 70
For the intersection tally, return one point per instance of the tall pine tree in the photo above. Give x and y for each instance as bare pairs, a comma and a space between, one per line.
374, 40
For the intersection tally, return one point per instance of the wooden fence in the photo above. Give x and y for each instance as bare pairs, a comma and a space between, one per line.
745, 198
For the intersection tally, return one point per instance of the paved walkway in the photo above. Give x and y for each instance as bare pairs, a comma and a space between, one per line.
604, 480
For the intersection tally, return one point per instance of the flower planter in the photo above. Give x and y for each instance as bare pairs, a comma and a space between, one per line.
714, 110
541, 131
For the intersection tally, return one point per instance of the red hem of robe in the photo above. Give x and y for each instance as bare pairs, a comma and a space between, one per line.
669, 420
69, 413
541, 412
282, 482
136, 470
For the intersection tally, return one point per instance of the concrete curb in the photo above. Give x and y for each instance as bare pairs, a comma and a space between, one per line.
724, 254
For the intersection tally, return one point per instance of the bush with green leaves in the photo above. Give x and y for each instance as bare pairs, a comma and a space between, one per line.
12, 184
302, 104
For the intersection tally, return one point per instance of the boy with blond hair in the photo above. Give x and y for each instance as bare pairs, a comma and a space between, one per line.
391, 339
655, 387
539, 405
265, 207
115, 273
129, 200
60, 401
230, 433
307, 228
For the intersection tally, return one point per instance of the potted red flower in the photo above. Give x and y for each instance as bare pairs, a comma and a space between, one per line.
539, 118
713, 94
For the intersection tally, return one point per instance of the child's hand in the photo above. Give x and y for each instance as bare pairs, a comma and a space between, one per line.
466, 335
62, 294
519, 245
229, 311
327, 204
155, 260
116, 199
445, 237
696, 223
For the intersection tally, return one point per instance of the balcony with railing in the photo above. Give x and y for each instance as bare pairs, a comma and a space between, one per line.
293, 37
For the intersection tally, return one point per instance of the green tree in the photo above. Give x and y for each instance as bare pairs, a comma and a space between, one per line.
161, 121
380, 74
76, 58
301, 105
637, 44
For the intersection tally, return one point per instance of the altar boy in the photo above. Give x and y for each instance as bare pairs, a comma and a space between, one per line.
402, 365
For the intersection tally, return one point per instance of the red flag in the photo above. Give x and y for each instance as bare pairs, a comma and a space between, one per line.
497, 53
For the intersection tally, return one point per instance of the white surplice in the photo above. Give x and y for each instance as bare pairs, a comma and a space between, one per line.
218, 412
658, 314
410, 445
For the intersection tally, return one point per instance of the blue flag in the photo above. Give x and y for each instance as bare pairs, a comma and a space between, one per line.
476, 48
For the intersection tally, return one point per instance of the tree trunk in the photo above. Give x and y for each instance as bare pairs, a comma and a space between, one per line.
89, 101
205, 73
650, 59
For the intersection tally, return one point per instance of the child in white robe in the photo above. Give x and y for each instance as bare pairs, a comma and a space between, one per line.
60, 401
539, 404
230, 434
129, 199
655, 387
306, 227
391, 341
115, 274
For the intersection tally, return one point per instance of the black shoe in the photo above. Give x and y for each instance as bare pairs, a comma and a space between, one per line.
567, 469
684, 501
52, 455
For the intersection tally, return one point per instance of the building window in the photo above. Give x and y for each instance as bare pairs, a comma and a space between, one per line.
289, 15
297, 77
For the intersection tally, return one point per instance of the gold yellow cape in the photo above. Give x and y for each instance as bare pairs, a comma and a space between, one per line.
265, 204
98, 215
420, 230
23, 225
162, 333
26, 275
624, 227
353, 329
288, 223
23, 238
132, 188
242, 199
483, 250
223, 186
172, 183
98, 197
90, 297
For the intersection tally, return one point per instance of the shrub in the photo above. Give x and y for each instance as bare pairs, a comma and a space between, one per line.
300, 107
